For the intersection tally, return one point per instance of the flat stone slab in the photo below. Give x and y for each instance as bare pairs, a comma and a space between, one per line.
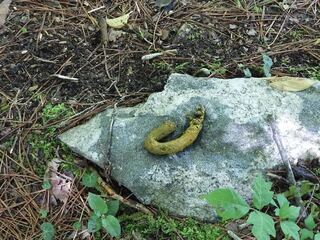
234, 145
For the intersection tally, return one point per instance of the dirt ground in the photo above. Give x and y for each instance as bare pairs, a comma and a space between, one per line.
51, 53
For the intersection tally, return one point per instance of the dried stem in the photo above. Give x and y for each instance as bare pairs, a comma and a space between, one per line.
286, 162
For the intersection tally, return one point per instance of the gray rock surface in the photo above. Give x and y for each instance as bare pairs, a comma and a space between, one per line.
235, 143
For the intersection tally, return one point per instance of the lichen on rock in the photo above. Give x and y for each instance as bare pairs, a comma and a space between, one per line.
235, 142
152, 142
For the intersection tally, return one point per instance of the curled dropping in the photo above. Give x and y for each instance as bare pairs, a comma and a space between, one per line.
152, 142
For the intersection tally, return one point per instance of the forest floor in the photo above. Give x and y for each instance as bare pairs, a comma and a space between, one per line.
55, 73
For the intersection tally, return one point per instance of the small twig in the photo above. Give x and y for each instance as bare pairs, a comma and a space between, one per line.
275, 176
243, 226
107, 168
283, 154
107, 189
106, 68
309, 202
155, 31
80, 218
104, 30
39, 37
96, 9
233, 235
286, 162
65, 77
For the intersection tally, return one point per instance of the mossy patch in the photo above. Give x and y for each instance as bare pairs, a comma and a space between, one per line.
44, 144
164, 227
55, 112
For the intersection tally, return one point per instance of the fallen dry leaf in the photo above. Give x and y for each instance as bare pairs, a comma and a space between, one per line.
291, 84
118, 22
4, 10
60, 184
61, 187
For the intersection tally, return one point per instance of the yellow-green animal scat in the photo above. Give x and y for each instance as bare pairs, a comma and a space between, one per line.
152, 142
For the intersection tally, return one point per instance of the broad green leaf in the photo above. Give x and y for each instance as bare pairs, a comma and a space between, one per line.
267, 64
291, 84
317, 236
111, 225
113, 207
97, 204
282, 200
290, 229
94, 223
227, 203
118, 22
289, 212
46, 185
263, 225
47, 231
273, 203
309, 222
306, 234
262, 195
305, 187
90, 179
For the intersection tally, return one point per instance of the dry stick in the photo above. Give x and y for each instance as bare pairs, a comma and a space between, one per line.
103, 29
309, 202
107, 167
233, 235
280, 30
107, 189
155, 31
104, 42
286, 162
110, 192
81, 215
40, 30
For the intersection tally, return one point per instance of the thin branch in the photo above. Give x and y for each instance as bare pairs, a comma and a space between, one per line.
286, 162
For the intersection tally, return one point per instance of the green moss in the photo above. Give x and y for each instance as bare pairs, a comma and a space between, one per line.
55, 112
195, 34
43, 147
44, 144
217, 68
311, 72
182, 67
164, 227
315, 73
168, 67
296, 34
163, 66
257, 71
